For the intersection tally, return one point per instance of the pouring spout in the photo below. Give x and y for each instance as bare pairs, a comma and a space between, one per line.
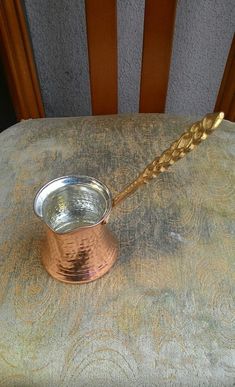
178, 149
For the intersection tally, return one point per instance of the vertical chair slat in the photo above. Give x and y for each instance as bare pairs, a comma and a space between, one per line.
102, 50
226, 97
157, 47
18, 60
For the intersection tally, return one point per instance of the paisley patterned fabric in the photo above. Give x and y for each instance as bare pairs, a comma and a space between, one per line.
163, 316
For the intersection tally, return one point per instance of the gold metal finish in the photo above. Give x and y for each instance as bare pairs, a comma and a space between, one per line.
178, 149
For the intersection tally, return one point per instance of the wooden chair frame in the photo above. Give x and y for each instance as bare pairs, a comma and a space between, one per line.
101, 17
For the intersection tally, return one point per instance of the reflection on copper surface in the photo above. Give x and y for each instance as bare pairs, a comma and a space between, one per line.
80, 256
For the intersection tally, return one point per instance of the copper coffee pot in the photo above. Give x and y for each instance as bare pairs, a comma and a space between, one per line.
79, 247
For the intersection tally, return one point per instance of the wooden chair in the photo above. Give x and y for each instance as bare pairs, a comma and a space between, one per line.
101, 22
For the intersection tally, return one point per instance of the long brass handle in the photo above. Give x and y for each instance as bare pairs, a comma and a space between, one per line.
178, 149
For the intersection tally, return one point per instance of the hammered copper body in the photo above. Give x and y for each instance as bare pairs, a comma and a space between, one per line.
80, 256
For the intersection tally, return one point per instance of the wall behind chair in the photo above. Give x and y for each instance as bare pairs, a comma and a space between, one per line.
203, 35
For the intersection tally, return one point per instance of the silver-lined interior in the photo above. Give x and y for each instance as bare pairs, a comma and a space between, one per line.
68, 204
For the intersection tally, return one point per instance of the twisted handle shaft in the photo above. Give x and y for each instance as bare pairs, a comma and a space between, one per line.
178, 149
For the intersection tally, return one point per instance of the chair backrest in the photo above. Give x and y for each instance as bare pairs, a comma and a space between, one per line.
101, 26
101, 20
